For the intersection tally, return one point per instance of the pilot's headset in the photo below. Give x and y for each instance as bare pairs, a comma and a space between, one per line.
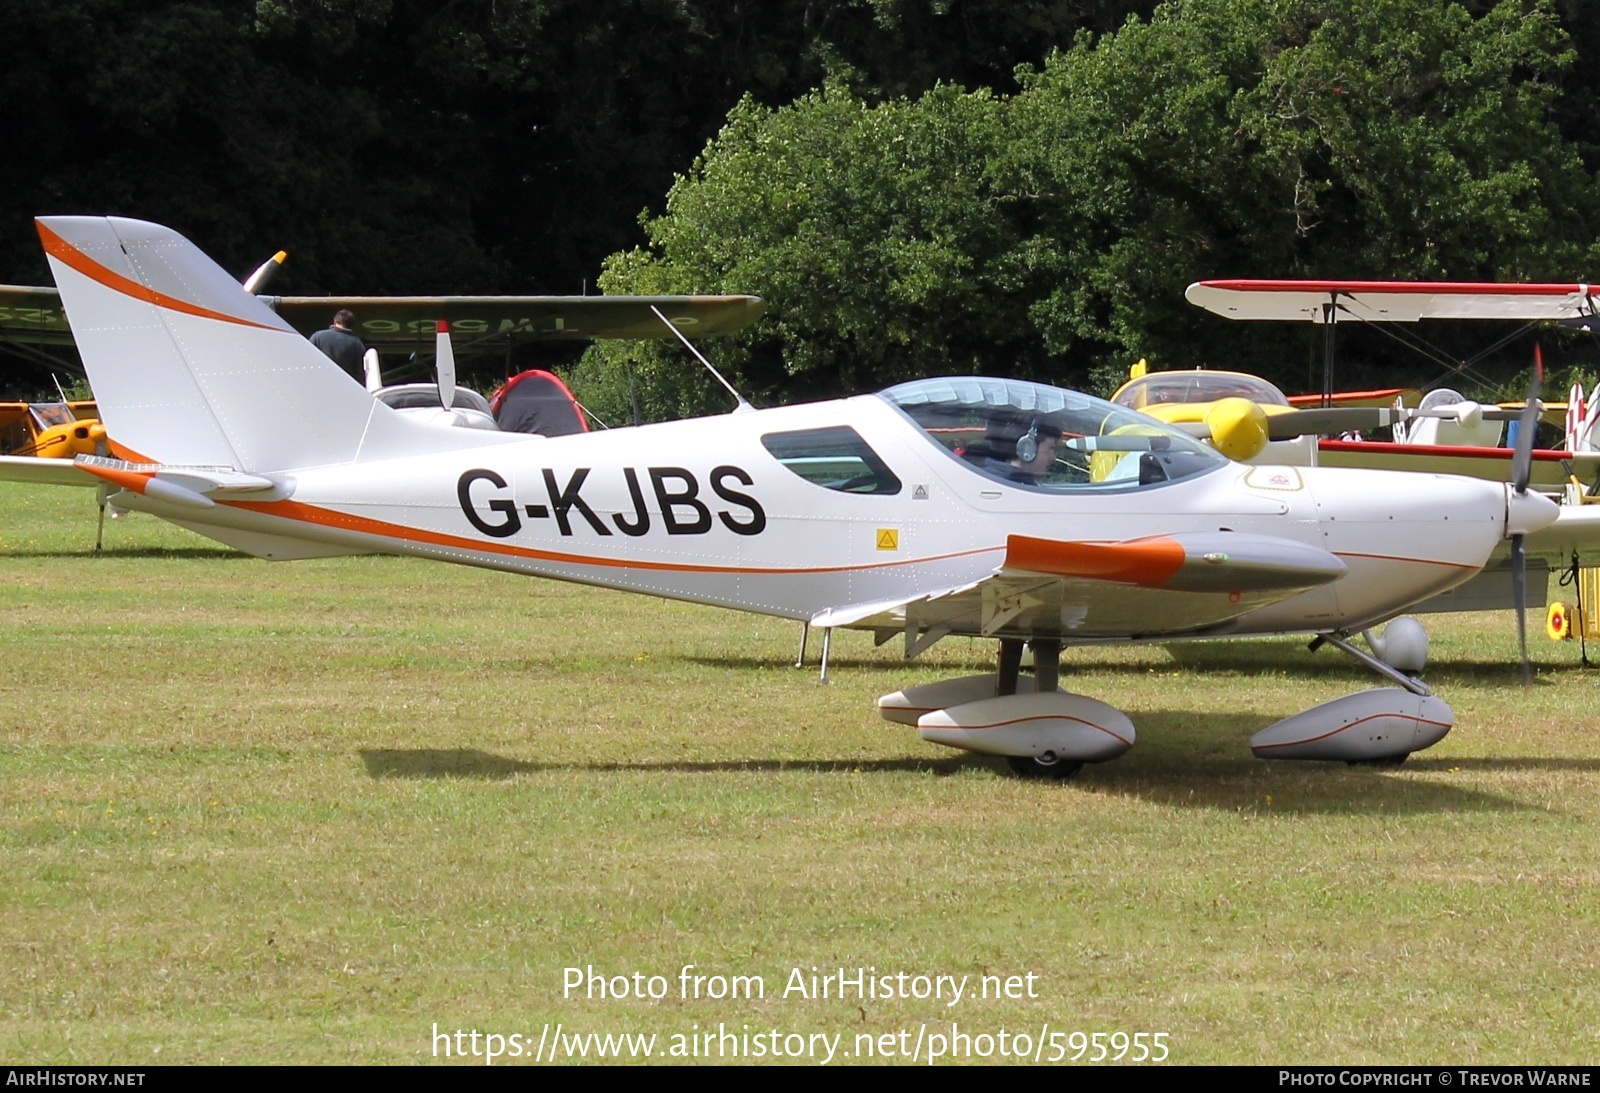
1028, 443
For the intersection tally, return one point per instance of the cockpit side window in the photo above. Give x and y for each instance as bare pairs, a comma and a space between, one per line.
835, 458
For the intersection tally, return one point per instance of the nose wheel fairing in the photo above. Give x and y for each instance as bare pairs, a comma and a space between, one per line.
1365, 727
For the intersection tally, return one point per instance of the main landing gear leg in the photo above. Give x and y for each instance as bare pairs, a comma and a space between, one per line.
1010, 665
1046, 665
1046, 678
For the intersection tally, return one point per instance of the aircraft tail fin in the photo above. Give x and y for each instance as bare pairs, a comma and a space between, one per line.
189, 368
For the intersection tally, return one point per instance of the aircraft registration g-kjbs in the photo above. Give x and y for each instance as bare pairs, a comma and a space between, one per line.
968, 506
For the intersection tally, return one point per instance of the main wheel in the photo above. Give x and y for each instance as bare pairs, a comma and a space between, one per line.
1026, 766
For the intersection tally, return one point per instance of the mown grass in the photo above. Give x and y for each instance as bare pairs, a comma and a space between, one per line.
303, 812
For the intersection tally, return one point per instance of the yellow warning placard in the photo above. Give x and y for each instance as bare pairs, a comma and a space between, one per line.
888, 538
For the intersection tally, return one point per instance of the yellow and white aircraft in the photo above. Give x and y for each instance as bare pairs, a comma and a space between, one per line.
49, 430
974, 506
1445, 433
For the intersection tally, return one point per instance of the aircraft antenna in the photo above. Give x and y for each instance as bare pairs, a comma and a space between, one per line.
591, 414
743, 404
55, 379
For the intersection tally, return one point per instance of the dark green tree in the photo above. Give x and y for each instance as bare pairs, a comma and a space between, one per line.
1052, 232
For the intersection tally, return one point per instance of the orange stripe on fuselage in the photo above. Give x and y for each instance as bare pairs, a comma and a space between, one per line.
59, 248
1395, 558
312, 514
122, 451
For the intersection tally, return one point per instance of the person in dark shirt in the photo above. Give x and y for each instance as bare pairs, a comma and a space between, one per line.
341, 345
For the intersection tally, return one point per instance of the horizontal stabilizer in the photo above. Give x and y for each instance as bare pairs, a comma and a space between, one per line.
1391, 301
190, 487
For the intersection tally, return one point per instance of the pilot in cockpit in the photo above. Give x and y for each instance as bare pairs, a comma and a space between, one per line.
1020, 452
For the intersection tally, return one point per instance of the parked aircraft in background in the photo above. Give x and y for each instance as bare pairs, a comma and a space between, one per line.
1251, 420
34, 436
971, 506
1448, 433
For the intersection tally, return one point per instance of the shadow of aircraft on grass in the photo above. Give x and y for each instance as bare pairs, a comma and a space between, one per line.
1173, 776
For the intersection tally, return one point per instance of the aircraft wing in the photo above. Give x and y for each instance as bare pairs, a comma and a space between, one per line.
1548, 469
1188, 583
43, 472
1392, 301
1380, 398
401, 323
33, 315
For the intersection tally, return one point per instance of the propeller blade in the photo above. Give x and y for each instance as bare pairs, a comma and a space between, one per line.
1331, 420
1521, 470
1527, 425
445, 361
372, 370
265, 272
1346, 419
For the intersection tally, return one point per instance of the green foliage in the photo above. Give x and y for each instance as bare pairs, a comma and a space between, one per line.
1290, 138
874, 233
1052, 232
415, 147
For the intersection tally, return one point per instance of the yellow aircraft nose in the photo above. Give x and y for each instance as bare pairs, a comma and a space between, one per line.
1238, 428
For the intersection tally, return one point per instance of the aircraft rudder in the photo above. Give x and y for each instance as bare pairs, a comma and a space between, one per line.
186, 365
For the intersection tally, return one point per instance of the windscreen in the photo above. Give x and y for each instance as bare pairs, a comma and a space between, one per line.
1047, 438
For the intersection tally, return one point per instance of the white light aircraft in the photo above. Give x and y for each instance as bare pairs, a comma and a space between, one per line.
971, 506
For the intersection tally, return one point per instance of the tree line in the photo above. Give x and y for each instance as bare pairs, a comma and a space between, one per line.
916, 186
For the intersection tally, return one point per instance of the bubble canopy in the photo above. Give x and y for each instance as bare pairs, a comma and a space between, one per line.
1047, 438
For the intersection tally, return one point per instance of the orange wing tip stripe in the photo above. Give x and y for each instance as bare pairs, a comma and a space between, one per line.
65, 252
1148, 562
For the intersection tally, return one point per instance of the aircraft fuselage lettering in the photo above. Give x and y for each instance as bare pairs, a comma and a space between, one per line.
510, 523
757, 522
672, 500
640, 523
566, 499
676, 492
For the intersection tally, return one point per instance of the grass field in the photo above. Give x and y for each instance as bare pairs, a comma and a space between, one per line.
312, 811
